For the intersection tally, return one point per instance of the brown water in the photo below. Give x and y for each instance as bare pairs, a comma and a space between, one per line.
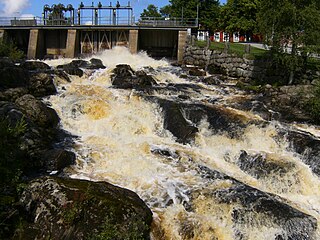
120, 135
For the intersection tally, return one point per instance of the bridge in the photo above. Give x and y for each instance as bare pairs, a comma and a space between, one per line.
67, 32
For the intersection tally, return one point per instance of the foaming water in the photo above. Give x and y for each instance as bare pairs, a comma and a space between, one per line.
121, 140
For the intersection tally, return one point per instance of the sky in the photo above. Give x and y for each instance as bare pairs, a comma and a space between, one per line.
16, 8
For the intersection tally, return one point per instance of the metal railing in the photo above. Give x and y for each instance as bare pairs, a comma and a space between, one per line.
168, 22
101, 21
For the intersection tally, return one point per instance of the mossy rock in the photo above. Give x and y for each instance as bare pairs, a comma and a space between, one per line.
58, 208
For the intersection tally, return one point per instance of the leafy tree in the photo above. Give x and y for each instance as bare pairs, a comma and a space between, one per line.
208, 11
8, 49
239, 16
151, 11
166, 11
292, 28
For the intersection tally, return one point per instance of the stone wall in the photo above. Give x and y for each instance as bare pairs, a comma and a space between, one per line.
234, 66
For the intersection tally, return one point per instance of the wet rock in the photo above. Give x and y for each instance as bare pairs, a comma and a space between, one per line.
212, 80
221, 120
250, 206
306, 145
12, 94
215, 69
61, 74
197, 72
59, 208
12, 76
74, 67
124, 77
37, 111
176, 123
35, 66
96, 64
261, 166
58, 159
41, 85
295, 224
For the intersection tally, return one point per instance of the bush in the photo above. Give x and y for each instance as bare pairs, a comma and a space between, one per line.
314, 103
10, 50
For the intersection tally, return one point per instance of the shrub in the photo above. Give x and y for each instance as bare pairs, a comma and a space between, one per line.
10, 50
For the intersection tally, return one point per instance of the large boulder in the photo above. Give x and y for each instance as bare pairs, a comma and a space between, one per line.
124, 77
35, 66
75, 67
41, 84
59, 208
12, 76
58, 159
37, 111
176, 123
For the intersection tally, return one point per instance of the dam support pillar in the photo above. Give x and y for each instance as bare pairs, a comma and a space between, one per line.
182, 40
36, 44
2, 35
71, 43
133, 41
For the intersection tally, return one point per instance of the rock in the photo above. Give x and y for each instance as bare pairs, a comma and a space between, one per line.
41, 85
73, 68
211, 80
306, 145
12, 94
251, 207
197, 72
61, 74
176, 123
12, 76
58, 159
35, 66
261, 166
96, 64
59, 208
37, 111
215, 69
124, 77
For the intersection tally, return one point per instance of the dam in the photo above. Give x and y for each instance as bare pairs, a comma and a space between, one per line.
63, 31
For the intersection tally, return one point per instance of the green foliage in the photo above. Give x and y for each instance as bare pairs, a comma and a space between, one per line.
292, 29
11, 162
239, 16
313, 104
112, 231
151, 11
10, 50
11, 166
208, 11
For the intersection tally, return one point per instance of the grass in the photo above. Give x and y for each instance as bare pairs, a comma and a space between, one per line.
235, 48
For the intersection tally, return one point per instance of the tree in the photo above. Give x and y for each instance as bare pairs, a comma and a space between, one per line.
292, 29
166, 11
239, 16
208, 11
151, 11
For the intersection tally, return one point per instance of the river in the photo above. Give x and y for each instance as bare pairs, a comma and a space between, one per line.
239, 178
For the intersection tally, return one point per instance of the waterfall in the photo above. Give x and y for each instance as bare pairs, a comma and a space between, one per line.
239, 178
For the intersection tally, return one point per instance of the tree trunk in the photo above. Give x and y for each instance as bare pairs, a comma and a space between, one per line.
293, 67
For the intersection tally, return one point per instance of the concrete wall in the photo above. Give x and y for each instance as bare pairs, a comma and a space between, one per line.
36, 46
182, 41
133, 41
71, 43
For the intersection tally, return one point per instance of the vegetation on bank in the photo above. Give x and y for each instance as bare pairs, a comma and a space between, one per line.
10, 50
12, 163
